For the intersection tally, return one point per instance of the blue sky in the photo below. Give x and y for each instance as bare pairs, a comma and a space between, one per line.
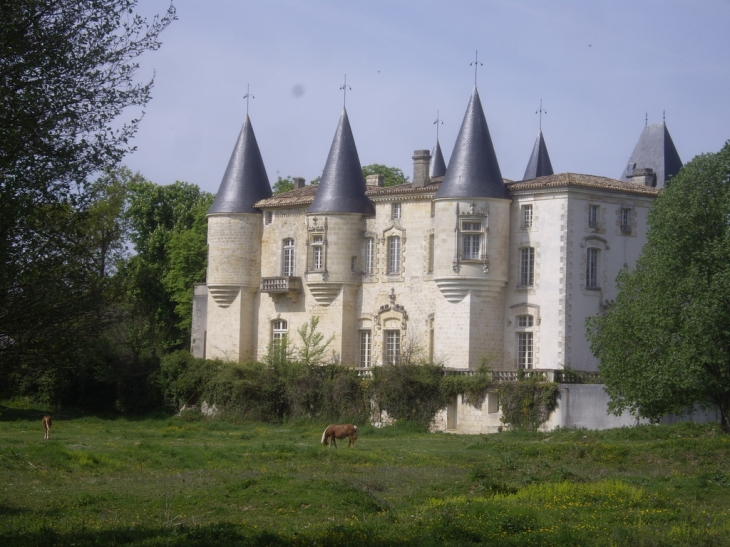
599, 67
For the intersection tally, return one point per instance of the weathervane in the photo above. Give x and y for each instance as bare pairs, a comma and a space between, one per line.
344, 88
476, 64
664, 117
541, 111
646, 119
247, 96
438, 122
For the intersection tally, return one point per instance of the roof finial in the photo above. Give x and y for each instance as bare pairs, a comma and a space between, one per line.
646, 119
476, 64
541, 111
344, 88
247, 96
438, 122
664, 117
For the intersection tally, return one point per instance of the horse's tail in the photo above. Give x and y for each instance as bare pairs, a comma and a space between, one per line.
324, 436
356, 432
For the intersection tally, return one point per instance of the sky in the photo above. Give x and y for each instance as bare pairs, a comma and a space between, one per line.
598, 67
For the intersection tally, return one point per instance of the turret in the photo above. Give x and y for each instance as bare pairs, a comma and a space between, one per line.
471, 223
655, 150
438, 165
539, 164
234, 250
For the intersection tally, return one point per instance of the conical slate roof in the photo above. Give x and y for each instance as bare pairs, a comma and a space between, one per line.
655, 150
342, 186
437, 167
473, 170
245, 181
539, 164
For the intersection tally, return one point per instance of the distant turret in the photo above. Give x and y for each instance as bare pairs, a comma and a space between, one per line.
656, 151
539, 164
438, 165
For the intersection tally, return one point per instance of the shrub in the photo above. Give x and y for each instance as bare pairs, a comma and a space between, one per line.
527, 403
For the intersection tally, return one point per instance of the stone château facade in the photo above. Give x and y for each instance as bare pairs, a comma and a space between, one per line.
459, 265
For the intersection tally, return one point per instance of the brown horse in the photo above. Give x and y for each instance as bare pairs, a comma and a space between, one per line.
47, 423
340, 432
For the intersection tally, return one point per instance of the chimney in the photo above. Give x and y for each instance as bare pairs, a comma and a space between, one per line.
643, 176
421, 162
375, 180
299, 182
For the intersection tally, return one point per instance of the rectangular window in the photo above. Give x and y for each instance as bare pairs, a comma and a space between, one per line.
470, 246
593, 216
524, 349
278, 337
288, 261
527, 216
394, 255
592, 268
527, 266
625, 220
392, 347
396, 210
524, 321
268, 217
366, 348
369, 255
317, 253
430, 253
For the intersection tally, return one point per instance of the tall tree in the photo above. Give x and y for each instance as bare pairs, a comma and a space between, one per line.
283, 185
67, 73
664, 345
168, 229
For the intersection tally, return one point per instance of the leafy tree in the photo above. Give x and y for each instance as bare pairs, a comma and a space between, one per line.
283, 185
168, 228
67, 72
664, 345
393, 175
314, 346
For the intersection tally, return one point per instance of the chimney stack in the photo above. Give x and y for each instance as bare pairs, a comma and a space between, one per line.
299, 182
421, 163
644, 176
375, 180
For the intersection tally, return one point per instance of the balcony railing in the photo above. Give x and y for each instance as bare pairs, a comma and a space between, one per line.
284, 284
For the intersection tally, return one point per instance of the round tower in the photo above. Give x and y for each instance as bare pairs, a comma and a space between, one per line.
471, 248
234, 252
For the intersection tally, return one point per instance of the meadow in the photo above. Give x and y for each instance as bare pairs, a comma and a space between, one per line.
178, 481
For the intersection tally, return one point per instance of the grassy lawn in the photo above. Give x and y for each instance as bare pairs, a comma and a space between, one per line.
168, 481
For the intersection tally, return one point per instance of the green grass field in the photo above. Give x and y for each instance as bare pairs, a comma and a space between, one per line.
168, 481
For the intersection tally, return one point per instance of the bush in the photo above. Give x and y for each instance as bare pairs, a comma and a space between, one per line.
527, 403
409, 392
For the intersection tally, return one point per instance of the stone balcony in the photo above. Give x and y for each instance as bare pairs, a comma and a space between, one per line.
286, 285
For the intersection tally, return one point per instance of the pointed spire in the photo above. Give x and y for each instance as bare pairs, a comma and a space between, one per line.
655, 150
539, 164
473, 169
245, 181
438, 165
342, 186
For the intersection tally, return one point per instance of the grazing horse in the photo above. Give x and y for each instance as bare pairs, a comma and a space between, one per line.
340, 432
47, 423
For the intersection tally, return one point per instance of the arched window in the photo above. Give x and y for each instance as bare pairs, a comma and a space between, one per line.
288, 258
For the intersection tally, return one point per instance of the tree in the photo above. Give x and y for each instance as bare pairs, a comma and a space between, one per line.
67, 73
283, 185
168, 228
393, 175
664, 345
